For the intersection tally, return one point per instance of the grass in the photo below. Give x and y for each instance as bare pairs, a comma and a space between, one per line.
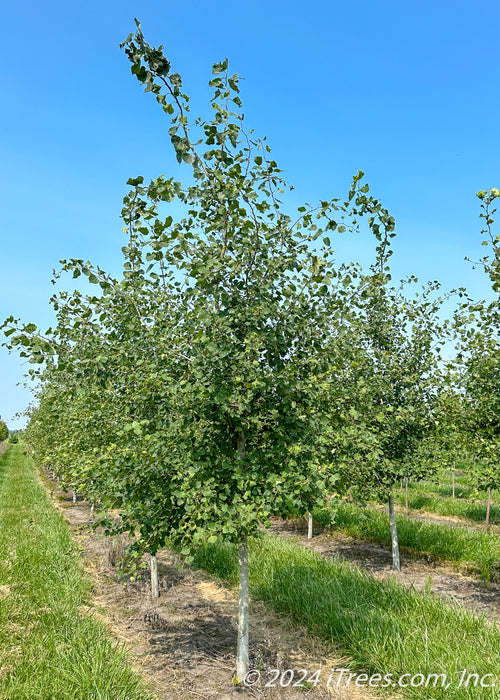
474, 550
474, 511
436, 497
442, 486
383, 626
47, 649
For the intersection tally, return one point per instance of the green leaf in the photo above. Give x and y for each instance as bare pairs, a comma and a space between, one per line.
219, 67
133, 182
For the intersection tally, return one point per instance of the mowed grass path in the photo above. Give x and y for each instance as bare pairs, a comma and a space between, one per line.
47, 649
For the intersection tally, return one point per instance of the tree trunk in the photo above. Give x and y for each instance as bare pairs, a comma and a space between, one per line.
243, 600
453, 481
396, 565
155, 586
74, 496
406, 495
309, 526
488, 506
242, 651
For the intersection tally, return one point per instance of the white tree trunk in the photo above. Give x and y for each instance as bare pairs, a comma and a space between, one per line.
74, 496
243, 605
396, 564
243, 599
155, 586
453, 480
488, 507
406, 495
309, 526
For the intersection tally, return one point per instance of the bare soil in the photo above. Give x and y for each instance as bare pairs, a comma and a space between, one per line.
185, 642
454, 587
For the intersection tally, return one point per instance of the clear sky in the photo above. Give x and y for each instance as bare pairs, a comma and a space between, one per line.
407, 92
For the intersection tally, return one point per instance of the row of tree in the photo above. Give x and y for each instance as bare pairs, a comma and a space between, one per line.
4, 431
235, 371
471, 403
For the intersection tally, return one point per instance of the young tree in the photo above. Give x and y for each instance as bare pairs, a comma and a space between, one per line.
480, 381
478, 361
448, 441
394, 377
198, 381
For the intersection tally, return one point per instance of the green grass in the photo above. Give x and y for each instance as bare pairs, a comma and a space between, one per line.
48, 651
383, 626
442, 486
474, 511
474, 550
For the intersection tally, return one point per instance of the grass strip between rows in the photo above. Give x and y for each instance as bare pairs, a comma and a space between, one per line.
471, 510
383, 626
47, 649
474, 550
464, 489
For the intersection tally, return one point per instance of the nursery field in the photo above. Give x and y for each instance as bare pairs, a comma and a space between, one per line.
316, 612
235, 374
235, 378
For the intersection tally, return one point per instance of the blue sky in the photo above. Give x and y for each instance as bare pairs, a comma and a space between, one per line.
407, 92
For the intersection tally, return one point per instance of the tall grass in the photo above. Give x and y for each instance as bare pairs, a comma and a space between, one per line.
383, 626
442, 486
474, 550
431, 503
47, 648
